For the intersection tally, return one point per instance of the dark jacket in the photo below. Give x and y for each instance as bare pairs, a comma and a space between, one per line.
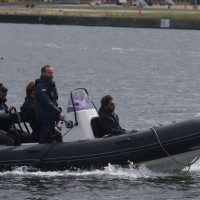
5, 120
3, 107
109, 122
28, 113
46, 104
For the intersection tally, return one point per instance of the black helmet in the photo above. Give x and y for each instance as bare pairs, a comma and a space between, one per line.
3, 89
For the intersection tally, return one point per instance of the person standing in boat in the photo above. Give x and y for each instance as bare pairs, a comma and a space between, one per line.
28, 113
47, 110
108, 119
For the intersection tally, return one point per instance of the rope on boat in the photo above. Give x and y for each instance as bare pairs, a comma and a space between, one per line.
170, 156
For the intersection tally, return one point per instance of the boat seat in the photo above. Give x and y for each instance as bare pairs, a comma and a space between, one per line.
97, 128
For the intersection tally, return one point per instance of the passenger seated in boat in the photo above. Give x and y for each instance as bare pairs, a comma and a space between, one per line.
108, 119
8, 135
28, 114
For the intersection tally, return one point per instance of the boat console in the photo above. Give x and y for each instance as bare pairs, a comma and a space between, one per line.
80, 111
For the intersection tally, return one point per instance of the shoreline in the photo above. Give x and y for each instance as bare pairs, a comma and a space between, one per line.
152, 17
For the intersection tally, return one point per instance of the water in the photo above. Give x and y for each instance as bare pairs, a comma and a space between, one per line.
110, 183
153, 76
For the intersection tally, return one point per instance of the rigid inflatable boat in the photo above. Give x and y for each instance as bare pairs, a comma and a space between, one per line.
163, 148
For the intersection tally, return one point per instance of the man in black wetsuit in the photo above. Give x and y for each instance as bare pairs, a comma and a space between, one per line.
109, 120
46, 109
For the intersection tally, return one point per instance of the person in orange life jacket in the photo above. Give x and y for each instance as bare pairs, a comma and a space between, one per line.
108, 119
47, 110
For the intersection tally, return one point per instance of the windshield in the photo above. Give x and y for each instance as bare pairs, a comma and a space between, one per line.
81, 101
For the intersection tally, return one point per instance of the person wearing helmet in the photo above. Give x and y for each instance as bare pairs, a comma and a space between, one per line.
5, 122
8, 136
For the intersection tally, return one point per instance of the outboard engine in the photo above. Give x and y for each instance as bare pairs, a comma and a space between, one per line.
78, 117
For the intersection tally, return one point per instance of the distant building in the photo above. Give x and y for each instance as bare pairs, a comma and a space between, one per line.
72, 1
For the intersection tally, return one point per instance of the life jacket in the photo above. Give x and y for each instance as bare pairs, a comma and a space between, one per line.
51, 89
3, 109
